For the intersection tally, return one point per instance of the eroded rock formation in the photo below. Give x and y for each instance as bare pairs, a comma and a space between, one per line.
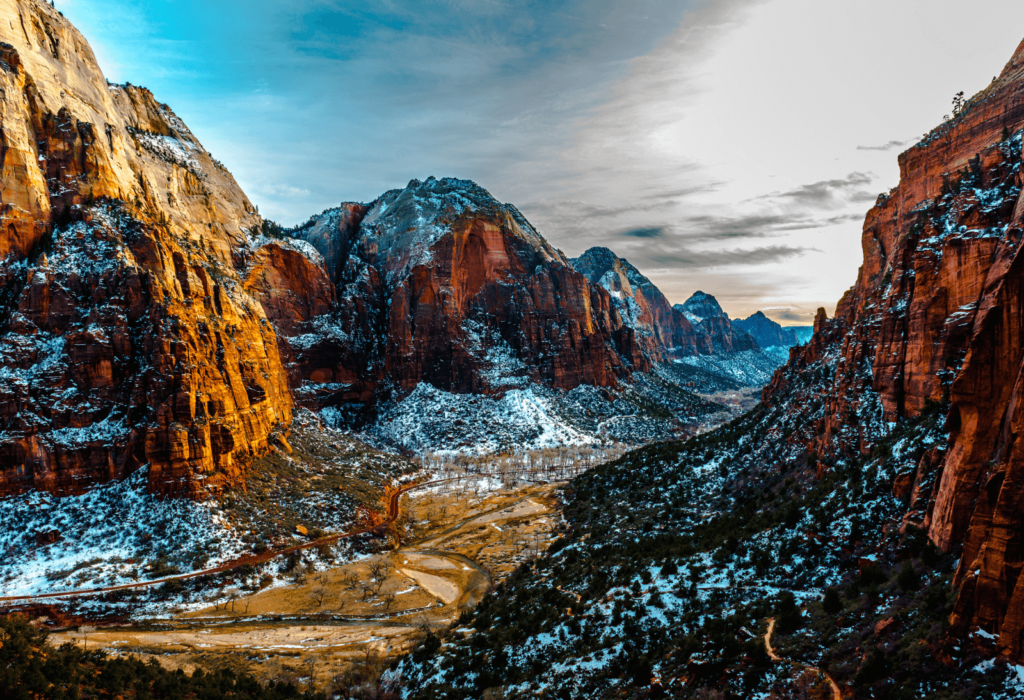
127, 337
936, 316
440, 283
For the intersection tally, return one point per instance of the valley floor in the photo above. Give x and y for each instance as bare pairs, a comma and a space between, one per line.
347, 622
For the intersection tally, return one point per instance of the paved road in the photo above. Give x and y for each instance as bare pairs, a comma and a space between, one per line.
250, 559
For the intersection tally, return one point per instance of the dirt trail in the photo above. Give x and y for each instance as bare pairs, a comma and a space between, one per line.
837, 693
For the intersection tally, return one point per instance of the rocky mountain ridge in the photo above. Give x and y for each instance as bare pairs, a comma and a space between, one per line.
439, 285
767, 332
127, 339
710, 320
149, 316
663, 330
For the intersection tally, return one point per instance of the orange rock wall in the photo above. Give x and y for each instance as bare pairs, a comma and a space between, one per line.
937, 311
131, 341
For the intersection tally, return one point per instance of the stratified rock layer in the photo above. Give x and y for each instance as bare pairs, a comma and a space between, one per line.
127, 339
937, 311
440, 283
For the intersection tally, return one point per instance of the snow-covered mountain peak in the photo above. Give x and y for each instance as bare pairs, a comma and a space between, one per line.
701, 306
402, 226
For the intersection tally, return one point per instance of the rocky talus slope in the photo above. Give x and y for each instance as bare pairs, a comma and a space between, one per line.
127, 337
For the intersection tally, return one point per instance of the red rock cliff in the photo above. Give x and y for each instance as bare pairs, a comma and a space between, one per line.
127, 338
937, 311
440, 283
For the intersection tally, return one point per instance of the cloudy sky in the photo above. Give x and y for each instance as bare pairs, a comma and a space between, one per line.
731, 146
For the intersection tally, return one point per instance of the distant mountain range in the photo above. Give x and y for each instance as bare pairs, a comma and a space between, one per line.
769, 334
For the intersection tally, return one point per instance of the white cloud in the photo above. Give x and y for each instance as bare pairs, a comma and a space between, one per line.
763, 120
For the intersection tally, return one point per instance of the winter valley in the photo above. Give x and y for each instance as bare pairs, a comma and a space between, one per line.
411, 449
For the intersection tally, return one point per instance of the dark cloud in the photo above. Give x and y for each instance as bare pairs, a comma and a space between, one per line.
884, 147
686, 192
687, 258
717, 228
801, 318
644, 233
828, 194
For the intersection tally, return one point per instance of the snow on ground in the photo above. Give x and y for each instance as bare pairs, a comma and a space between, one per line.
107, 536
750, 367
169, 149
650, 407
522, 419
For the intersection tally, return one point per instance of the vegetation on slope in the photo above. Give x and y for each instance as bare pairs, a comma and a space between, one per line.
674, 557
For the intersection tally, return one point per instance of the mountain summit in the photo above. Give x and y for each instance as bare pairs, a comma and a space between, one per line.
708, 317
661, 330
767, 332
441, 283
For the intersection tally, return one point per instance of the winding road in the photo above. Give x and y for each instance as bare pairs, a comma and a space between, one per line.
380, 528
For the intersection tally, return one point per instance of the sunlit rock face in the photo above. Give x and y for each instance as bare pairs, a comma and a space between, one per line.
937, 312
126, 336
440, 283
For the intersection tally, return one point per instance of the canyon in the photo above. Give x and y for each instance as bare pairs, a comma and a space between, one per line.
152, 318
165, 349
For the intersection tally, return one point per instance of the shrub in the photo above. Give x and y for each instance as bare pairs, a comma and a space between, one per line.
832, 603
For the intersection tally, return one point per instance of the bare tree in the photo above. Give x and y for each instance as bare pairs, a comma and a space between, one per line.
310, 665
233, 595
388, 596
85, 631
425, 625
380, 569
376, 566
320, 590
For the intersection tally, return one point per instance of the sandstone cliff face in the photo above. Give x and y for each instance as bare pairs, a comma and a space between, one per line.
936, 315
661, 330
440, 283
127, 337
713, 326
